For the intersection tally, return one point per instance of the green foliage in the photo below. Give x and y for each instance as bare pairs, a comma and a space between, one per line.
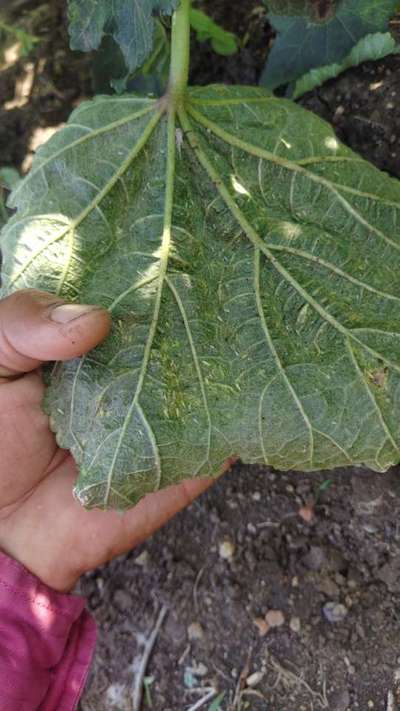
371, 47
18, 34
152, 76
216, 704
302, 45
109, 67
250, 264
222, 42
313, 10
129, 22
9, 179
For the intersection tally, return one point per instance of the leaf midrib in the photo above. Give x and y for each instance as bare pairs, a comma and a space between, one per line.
164, 259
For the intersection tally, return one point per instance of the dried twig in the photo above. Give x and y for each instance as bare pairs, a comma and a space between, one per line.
195, 586
286, 676
241, 681
201, 702
140, 664
390, 702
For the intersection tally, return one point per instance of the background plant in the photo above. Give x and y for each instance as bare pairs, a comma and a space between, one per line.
307, 40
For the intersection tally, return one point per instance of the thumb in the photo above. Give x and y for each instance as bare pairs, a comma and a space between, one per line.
36, 326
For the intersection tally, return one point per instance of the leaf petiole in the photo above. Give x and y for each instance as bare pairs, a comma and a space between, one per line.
180, 53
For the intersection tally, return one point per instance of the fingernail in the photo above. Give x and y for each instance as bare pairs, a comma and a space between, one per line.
69, 312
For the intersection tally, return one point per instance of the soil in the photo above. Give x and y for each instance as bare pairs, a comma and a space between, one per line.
317, 555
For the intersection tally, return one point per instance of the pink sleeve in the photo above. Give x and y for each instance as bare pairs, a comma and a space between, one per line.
46, 643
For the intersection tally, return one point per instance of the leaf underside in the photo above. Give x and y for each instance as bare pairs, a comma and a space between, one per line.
250, 263
302, 45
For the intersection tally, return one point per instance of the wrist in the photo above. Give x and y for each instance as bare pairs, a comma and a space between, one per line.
39, 563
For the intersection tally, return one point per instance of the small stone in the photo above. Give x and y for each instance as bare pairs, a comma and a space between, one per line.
315, 559
295, 624
328, 587
256, 496
334, 612
262, 625
142, 559
295, 582
370, 704
226, 549
254, 679
195, 631
340, 579
275, 618
122, 599
200, 669
306, 513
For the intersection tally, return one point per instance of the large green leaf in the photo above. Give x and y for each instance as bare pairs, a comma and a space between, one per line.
251, 265
129, 22
302, 45
314, 10
371, 47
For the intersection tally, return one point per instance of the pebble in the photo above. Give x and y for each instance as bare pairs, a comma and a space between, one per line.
142, 559
306, 513
334, 611
195, 631
275, 618
295, 624
226, 549
328, 587
263, 627
200, 669
315, 559
254, 679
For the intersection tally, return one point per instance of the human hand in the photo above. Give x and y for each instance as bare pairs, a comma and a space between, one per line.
41, 524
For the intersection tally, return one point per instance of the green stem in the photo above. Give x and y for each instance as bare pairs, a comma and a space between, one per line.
180, 52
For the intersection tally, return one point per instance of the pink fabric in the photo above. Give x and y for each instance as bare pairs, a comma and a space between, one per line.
47, 641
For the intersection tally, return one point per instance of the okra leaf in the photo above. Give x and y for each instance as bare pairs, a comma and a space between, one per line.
250, 263
369, 48
301, 45
314, 10
129, 22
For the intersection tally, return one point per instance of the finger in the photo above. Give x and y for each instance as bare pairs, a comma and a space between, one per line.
81, 539
154, 510
36, 326
90, 537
